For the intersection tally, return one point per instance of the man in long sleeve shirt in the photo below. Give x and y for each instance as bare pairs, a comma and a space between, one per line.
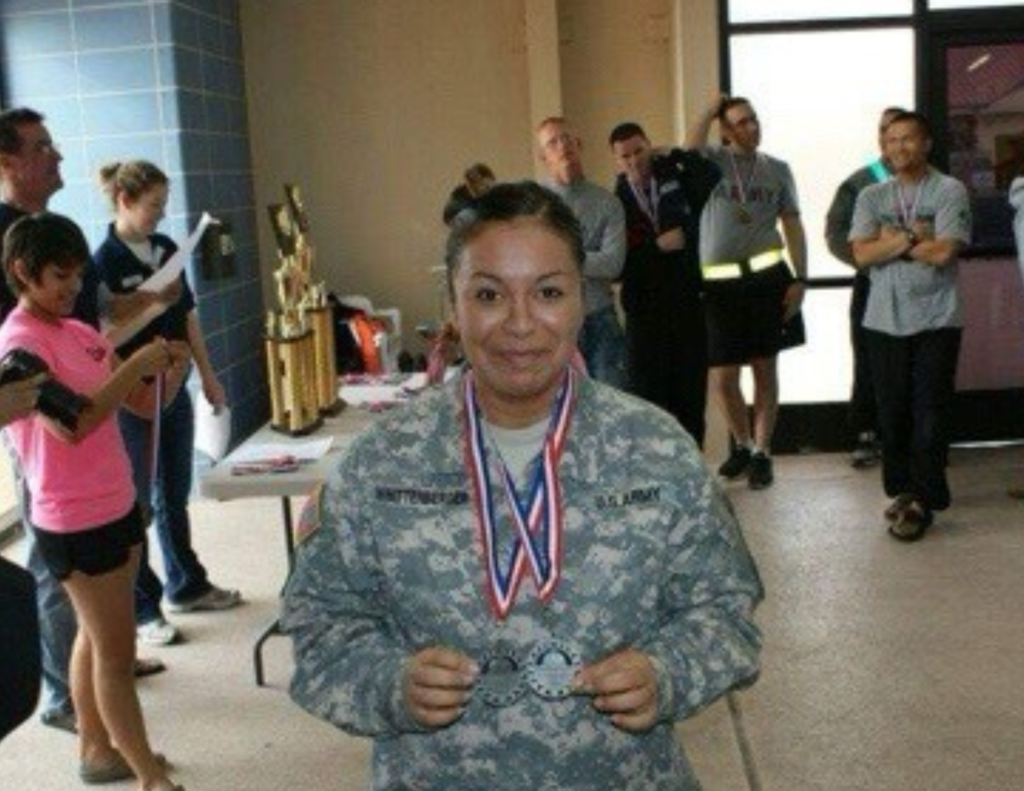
602, 340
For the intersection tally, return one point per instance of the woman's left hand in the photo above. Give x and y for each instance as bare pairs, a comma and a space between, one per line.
214, 392
624, 685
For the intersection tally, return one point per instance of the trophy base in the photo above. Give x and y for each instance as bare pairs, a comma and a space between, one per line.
332, 410
302, 431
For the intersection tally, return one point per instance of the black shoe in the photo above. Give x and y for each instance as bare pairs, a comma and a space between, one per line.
736, 464
761, 475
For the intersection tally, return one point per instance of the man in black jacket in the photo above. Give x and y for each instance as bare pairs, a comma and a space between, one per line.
664, 193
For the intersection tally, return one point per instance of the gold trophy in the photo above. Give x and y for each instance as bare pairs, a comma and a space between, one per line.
316, 313
290, 344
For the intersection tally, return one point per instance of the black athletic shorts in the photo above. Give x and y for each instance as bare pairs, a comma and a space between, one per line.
95, 551
744, 316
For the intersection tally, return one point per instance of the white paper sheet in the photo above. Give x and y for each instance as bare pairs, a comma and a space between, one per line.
213, 428
378, 394
303, 450
121, 334
175, 265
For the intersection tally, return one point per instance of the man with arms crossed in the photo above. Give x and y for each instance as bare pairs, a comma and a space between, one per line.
749, 291
907, 234
664, 194
863, 421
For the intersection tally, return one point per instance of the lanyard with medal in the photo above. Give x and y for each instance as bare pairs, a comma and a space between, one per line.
743, 214
536, 545
647, 199
907, 210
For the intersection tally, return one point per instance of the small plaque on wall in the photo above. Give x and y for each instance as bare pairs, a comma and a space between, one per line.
218, 252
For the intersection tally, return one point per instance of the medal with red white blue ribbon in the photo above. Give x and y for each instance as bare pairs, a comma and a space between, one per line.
537, 520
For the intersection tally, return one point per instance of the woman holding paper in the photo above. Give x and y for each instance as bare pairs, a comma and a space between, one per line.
161, 413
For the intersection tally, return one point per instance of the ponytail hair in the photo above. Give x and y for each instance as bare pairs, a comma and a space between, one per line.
131, 179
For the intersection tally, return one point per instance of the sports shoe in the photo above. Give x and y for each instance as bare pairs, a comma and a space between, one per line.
736, 464
760, 475
214, 599
157, 632
865, 454
61, 719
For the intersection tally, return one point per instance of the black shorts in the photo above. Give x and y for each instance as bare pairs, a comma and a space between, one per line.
95, 551
744, 317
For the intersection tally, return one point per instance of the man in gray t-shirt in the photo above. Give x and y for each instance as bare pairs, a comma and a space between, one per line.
749, 292
907, 234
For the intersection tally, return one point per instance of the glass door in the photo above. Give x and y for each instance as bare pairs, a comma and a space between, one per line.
976, 100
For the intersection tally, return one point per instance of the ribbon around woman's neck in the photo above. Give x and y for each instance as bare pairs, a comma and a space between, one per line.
537, 519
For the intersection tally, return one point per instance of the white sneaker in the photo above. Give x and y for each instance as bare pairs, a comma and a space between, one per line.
157, 632
214, 599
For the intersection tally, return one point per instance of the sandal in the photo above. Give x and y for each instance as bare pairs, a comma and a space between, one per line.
912, 522
148, 666
898, 506
113, 771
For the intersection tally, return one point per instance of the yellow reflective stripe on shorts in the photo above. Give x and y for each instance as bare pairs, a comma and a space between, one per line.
722, 271
731, 270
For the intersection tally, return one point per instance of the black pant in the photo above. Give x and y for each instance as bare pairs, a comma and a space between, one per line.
21, 666
668, 361
914, 380
862, 414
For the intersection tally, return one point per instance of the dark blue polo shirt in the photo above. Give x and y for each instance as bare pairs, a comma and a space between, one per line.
123, 272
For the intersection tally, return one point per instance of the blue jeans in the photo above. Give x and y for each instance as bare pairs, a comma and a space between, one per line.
57, 629
603, 346
57, 623
168, 497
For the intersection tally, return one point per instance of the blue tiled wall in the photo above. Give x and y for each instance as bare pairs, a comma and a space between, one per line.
161, 80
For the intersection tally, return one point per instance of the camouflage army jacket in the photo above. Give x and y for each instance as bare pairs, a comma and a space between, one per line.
653, 558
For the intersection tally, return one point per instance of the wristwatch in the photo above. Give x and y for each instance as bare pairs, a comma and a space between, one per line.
912, 240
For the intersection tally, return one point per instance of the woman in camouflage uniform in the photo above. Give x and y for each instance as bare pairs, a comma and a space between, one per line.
525, 578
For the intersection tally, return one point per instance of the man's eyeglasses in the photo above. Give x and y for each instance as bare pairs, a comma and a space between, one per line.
44, 147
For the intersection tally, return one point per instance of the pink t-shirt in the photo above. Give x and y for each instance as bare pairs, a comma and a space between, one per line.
72, 487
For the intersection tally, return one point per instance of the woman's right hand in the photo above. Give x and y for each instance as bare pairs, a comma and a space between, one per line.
153, 358
18, 399
438, 682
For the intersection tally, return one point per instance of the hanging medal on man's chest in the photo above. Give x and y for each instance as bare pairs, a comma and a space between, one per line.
520, 529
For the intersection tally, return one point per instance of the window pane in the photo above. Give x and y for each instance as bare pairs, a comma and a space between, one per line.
820, 115
985, 102
793, 10
936, 5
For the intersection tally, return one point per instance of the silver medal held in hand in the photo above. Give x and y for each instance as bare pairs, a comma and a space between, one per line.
551, 668
501, 680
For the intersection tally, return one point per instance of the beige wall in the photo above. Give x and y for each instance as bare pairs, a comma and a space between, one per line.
616, 66
375, 107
